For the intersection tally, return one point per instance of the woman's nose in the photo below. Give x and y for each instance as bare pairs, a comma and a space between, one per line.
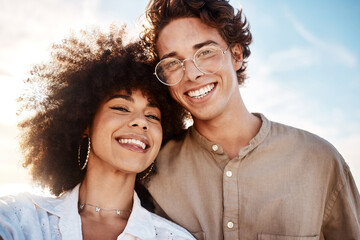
139, 121
137, 125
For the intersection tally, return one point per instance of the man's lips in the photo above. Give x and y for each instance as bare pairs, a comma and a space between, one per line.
201, 92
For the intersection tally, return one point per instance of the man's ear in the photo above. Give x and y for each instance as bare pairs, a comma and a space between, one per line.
236, 51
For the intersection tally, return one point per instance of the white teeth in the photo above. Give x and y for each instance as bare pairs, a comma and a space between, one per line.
133, 141
202, 92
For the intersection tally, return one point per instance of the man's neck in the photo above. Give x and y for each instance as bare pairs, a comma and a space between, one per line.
232, 131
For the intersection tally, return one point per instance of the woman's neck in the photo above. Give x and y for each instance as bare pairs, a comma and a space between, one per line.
105, 202
112, 190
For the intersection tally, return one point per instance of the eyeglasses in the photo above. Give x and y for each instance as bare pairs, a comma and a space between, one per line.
208, 60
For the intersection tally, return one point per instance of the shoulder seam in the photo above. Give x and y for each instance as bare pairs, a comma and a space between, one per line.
335, 194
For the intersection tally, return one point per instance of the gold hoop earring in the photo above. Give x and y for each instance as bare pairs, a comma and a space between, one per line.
87, 155
148, 172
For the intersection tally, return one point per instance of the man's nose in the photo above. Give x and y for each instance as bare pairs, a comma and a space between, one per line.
191, 72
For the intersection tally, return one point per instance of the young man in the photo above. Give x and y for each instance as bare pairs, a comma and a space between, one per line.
237, 175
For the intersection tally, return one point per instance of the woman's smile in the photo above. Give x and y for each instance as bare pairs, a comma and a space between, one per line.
137, 143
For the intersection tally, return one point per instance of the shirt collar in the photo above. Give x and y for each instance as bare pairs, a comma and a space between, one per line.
140, 223
259, 138
60, 206
66, 208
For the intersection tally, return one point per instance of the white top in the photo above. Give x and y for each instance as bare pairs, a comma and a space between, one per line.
27, 216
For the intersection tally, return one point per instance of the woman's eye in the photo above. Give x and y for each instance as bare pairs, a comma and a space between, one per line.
121, 109
153, 117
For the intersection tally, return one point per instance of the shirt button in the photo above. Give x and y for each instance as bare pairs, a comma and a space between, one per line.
229, 173
230, 225
215, 147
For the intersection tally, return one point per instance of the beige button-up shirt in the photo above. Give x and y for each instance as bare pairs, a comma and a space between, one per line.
287, 184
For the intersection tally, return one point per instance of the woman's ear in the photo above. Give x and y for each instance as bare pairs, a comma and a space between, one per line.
86, 133
236, 52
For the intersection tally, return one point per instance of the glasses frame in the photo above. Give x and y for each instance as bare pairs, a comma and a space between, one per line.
193, 59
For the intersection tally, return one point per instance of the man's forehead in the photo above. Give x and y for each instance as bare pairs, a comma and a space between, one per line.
185, 34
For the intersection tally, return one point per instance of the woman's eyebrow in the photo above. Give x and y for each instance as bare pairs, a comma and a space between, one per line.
126, 97
153, 105
130, 99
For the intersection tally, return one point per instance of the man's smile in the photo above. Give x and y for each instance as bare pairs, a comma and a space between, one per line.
202, 92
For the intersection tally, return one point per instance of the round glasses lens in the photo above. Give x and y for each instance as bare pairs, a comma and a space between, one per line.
209, 59
169, 71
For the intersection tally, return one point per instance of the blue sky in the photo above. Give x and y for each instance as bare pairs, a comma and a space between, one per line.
324, 36
304, 69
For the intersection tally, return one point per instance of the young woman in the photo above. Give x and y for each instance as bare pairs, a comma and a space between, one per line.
98, 121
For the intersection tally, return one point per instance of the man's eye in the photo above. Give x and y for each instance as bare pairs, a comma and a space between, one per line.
172, 65
153, 117
121, 109
206, 53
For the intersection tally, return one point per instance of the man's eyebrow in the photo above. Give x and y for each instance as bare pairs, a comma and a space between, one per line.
126, 97
171, 54
200, 45
195, 47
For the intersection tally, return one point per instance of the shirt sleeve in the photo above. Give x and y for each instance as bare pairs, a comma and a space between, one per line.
342, 212
10, 227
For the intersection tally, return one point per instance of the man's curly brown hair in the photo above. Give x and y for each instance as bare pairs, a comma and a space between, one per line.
233, 27
65, 93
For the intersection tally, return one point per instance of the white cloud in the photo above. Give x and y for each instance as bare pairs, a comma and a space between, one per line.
334, 51
290, 59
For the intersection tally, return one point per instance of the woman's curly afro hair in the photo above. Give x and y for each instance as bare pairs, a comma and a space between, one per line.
65, 92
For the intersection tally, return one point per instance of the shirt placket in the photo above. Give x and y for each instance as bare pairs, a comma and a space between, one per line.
231, 200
